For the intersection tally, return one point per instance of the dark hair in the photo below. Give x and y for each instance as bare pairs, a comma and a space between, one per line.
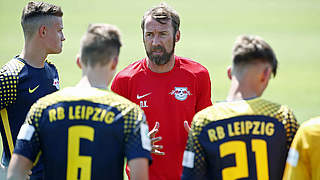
100, 44
249, 49
34, 12
162, 14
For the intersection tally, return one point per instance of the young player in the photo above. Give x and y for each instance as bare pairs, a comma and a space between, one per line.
170, 89
303, 157
29, 76
85, 132
245, 137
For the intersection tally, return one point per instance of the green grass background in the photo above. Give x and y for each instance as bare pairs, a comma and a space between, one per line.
208, 30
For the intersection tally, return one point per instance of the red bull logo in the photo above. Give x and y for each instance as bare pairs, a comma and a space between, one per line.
180, 93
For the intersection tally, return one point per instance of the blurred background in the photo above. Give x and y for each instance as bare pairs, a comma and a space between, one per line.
208, 30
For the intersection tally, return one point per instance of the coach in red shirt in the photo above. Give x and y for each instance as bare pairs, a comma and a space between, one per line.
170, 89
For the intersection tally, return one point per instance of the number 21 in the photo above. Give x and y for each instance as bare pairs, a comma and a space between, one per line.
241, 169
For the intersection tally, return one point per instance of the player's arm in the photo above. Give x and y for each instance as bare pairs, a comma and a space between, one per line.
297, 171
19, 167
297, 165
194, 163
138, 143
27, 146
291, 125
139, 169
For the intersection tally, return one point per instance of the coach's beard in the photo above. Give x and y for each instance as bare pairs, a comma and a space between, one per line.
160, 59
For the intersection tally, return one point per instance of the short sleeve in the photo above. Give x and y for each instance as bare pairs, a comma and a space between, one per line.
290, 124
194, 163
137, 141
297, 166
120, 86
203, 90
28, 143
8, 88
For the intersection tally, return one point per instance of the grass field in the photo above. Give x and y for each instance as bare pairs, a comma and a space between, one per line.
208, 30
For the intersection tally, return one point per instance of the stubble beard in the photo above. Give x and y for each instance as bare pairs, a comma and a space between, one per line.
160, 59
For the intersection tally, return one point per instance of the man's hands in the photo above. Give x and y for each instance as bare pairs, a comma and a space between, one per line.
19, 168
152, 134
154, 139
186, 126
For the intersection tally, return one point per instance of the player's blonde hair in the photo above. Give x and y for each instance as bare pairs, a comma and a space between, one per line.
100, 44
249, 49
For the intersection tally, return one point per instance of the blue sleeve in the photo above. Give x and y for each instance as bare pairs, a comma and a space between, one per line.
28, 143
138, 144
8, 88
194, 163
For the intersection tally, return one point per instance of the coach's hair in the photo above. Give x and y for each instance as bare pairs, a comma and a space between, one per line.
249, 49
35, 14
100, 44
162, 14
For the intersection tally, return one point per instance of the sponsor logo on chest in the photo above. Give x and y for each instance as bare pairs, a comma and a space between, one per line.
143, 103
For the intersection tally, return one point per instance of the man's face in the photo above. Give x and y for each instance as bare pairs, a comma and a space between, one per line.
159, 41
55, 36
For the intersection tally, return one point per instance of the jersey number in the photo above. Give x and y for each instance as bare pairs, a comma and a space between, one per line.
259, 147
75, 161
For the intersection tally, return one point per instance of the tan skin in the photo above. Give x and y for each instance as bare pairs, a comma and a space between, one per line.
250, 82
156, 34
47, 40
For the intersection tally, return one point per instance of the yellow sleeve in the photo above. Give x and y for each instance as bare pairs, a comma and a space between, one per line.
297, 165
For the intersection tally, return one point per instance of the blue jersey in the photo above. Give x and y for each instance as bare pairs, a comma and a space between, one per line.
20, 86
84, 133
246, 139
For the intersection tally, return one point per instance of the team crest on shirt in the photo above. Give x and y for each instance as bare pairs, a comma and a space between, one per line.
180, 93
56, 83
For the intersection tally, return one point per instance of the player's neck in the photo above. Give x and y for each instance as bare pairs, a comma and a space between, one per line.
241, 91
161, 68
34, 56
91, 80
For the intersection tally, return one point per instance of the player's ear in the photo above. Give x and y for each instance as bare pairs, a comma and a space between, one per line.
229, 72
266, 74
78, 62
42, 31
114, 62
177, 36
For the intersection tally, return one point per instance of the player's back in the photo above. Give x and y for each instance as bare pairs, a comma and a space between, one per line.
246, 139
86, 132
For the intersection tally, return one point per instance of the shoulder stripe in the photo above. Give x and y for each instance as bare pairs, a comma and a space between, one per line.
6, 125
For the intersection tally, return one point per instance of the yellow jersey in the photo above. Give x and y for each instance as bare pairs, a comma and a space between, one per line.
304, 155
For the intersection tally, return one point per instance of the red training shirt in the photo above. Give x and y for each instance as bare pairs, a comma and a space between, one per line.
169, 98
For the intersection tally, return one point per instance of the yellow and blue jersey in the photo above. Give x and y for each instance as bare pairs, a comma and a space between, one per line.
246, 139
304, 156
20, 86
84, 133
